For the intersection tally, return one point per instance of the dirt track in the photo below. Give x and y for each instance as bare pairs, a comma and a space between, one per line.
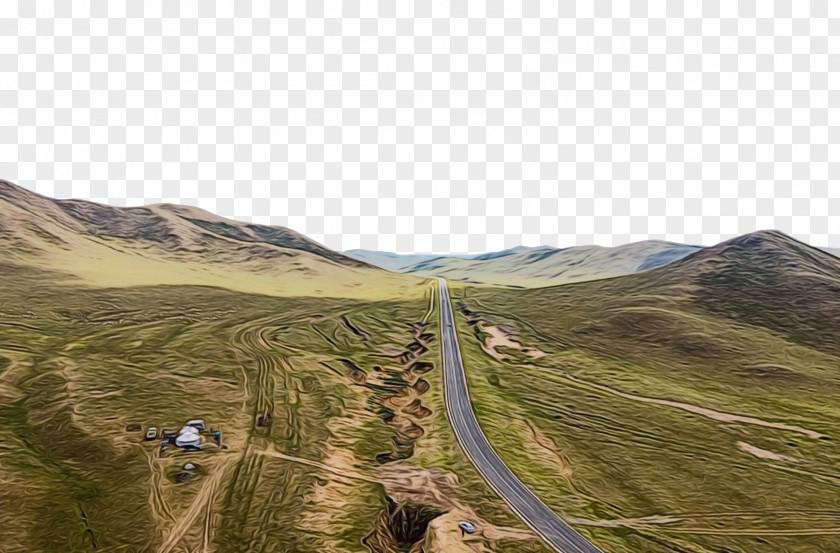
206, 495
709, 413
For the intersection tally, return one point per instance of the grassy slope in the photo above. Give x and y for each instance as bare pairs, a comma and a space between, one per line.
104, 246
105, 322
79, 365
749, 328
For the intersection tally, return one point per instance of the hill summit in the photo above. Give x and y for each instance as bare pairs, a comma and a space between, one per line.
767, 279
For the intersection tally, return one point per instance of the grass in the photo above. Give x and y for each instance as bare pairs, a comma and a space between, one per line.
659, 477
113, 320
690, 409
80, 364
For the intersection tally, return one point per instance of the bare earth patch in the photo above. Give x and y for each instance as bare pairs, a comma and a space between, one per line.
203, 499
501, 336
545, 448
342, 467
438, 489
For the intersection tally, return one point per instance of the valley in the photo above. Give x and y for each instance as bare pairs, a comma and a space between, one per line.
534, 267
321, 374
662, 398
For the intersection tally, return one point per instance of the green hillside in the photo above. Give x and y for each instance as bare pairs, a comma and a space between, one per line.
694, 406
320, 373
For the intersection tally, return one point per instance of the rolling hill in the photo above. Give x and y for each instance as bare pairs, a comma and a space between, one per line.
531, 267
319, 372
168, 244
696, 404
686, 400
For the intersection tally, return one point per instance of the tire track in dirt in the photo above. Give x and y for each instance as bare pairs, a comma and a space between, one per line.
159, 508
243, 505
703, 411
334, 470
208, 528
259, 347
275, 493
203, 503
205, 495
245, 488
273, 497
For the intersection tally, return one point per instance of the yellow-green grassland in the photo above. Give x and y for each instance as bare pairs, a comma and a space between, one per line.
321, 374
685, 401
692, 408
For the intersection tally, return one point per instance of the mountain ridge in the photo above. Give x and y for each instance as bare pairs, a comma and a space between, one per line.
764, 279
538, 266
166, 243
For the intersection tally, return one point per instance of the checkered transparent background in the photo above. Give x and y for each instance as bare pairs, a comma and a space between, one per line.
435, 126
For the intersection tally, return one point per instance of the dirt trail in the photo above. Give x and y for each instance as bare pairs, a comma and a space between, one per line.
764, 454
11, 375
340, 471
157, 504
733, 523
661, 523
431, 303
624, 522
550, 449
709, 413
205, 495
760, 531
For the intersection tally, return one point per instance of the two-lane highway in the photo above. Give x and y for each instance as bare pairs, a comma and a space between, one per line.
553, 530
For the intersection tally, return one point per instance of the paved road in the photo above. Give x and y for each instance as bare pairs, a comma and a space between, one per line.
556, 533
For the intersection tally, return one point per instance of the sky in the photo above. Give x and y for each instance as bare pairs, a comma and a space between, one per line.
435, 126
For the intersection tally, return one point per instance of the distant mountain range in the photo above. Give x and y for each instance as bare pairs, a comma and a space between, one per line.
539, 266
528, 267
674, 388
172, 244
399, 262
